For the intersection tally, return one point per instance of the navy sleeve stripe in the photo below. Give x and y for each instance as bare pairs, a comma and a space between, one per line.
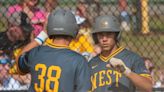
22, 64
40, 39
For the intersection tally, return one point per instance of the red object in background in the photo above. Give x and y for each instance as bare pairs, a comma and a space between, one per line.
122, 5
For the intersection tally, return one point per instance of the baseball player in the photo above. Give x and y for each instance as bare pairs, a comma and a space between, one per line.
115, 69
53, 66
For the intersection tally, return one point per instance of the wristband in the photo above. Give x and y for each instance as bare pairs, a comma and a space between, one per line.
41, 37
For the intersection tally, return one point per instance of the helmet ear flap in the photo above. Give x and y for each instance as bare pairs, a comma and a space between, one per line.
118, 36
95, 39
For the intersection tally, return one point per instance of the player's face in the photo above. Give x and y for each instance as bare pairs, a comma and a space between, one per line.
106, 40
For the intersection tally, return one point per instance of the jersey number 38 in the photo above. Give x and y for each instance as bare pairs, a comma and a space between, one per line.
45, 83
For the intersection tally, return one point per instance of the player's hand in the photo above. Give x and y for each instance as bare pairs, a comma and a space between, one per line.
119, 66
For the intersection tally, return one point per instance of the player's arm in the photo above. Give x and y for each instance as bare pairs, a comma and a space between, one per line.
39, 40
82, 80
141, 82
22, 64
140, 78
22, 59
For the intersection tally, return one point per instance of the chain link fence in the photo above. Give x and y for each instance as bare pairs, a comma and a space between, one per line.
142, 22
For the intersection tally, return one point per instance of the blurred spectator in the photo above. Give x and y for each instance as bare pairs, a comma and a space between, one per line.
50, 5
24, 80
160, 73
160, 82
12, 40
36, 15
149, 64
18, 33
150, 67
6, 81
83, 42
81, 9
125, 20
3, 20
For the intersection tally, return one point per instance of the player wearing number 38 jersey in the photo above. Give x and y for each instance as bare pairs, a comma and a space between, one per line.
53, 66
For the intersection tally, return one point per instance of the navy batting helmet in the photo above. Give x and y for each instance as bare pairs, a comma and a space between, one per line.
106, 23
62, 22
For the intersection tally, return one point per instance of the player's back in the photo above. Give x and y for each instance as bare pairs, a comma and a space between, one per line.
57, 70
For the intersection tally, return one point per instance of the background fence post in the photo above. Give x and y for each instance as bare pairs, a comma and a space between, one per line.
144, 16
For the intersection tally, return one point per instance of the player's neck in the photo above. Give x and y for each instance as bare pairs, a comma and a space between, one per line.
108, 52
61, 42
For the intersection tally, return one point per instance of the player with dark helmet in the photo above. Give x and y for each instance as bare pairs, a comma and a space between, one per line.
53, 66
65, 25
115, 69
106, 24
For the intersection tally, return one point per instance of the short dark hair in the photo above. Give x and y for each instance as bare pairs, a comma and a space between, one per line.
60, 36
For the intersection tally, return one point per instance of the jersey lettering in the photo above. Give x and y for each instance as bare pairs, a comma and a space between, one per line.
45, 84
101, 78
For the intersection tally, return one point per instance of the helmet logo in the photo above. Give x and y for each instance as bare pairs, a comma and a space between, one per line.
104, 24
58, 29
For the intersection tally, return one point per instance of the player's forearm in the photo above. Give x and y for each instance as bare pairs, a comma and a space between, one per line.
29, 46
14, 69
141, 82
39, 40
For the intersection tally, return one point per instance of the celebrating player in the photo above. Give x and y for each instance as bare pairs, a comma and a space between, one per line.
53, 66
115, 69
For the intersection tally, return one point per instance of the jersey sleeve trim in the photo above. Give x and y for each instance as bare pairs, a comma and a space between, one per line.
146, 75
18, 69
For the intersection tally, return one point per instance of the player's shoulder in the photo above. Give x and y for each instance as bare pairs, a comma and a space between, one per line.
75, 57
74, 54
94, 60
34, 51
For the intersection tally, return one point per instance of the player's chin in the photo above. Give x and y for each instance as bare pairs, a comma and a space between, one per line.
106, 48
